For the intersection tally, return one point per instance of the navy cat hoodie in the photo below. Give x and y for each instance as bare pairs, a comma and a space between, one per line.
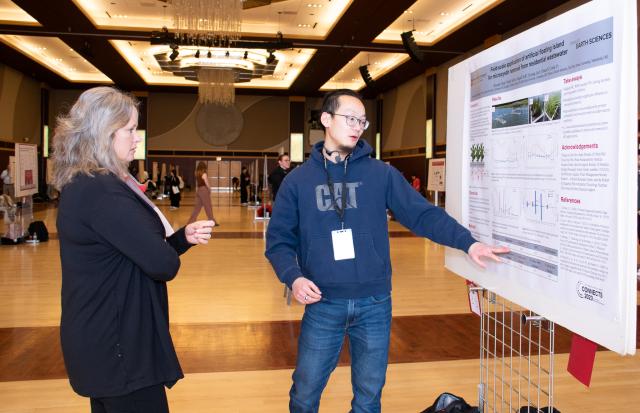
299, 239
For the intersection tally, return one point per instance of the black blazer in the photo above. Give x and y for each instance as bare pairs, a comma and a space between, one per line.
275, 179
115, 264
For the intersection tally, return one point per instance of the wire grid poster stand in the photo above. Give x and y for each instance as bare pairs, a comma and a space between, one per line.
516, 357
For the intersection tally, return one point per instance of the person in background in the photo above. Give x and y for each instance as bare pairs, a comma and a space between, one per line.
7, 182
174, 190
415, 183
245, 181
328, 240
235, 183
203, 195
277, 175
117, 252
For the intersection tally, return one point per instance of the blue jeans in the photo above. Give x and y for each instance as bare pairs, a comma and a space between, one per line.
367, 322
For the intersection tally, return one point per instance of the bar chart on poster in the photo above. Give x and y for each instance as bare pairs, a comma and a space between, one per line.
541, 158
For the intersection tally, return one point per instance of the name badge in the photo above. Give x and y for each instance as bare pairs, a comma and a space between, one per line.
342, 244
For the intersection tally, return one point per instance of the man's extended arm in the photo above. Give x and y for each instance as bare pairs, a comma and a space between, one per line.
427, 220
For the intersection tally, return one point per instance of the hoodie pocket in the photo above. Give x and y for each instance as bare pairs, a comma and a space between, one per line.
369, 264
324, 269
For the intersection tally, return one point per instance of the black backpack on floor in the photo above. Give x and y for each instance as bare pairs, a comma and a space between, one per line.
449, 403
40, 230
531, 409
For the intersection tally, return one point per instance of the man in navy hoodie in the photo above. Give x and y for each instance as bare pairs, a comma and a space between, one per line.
328, 241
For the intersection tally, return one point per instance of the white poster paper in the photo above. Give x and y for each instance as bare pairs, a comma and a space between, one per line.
546, 153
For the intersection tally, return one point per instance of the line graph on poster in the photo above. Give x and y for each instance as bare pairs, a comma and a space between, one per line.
541, 150
506, 152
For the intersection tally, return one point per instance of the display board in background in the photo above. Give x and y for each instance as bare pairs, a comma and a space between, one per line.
541, 156
26, 169
436, 178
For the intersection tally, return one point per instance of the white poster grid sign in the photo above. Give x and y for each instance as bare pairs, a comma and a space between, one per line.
26, 171
436, 179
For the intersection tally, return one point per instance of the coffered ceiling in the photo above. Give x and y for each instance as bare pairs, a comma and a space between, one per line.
78, 43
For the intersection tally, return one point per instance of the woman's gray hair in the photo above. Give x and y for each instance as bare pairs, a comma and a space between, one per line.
83, 140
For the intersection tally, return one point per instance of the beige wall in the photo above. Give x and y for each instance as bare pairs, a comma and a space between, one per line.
19, 106
172, 122
403, 116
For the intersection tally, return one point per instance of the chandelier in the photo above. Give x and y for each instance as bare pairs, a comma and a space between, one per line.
211, 23
208, 21
216, 85
217, 70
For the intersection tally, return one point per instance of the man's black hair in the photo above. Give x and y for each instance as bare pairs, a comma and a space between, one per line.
330, 102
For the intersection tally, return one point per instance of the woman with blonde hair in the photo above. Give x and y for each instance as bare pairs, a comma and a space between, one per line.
203, 194
117, 252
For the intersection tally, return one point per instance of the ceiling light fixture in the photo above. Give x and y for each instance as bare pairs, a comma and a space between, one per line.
410, 45
366, 76
221, 21
216, 85
212, 23
271, 58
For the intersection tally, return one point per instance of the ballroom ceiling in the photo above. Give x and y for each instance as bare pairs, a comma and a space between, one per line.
79, 43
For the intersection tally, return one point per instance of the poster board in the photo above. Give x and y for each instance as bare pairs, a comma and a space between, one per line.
436, 178
541, 155
26, 169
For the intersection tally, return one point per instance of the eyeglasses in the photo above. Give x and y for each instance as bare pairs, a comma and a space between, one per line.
352, 121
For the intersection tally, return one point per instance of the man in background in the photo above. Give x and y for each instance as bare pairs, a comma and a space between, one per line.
7, 182
277, 175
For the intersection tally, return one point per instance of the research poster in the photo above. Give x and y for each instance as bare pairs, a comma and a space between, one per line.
544, 147
26, 175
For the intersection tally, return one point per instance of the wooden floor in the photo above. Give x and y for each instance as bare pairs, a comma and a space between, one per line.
235, 335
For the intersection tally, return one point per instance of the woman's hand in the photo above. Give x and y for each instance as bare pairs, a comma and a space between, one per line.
199, 232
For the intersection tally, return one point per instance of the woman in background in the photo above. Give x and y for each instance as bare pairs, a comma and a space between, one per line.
174, 191
203, 194
117, 252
